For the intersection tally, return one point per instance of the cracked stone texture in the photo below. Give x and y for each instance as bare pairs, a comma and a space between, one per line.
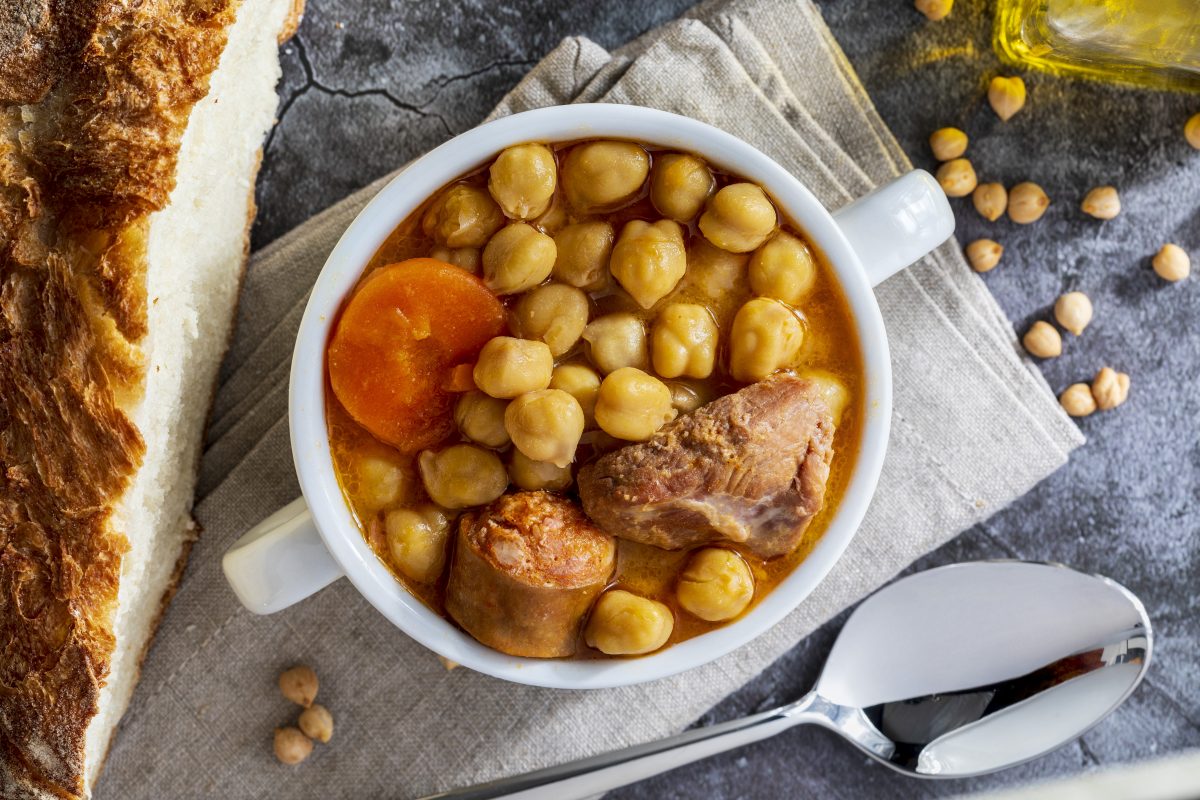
368, 86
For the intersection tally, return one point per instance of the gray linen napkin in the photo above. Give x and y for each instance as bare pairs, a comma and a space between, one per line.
974, 427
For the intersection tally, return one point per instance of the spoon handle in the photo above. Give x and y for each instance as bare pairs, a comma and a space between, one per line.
601, 773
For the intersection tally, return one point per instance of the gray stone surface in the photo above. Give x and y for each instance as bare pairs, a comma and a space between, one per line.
368, 86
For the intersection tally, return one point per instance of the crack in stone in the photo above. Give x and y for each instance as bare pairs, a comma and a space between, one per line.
442, 81
421, 109
311, 83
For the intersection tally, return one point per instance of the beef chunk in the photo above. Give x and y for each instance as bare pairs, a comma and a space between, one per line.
749, 467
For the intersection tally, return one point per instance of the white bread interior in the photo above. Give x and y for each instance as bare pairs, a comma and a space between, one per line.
196, 252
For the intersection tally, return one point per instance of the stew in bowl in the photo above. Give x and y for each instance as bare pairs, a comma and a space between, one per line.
594, 398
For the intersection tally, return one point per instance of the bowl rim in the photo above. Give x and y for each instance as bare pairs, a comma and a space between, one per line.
399, 198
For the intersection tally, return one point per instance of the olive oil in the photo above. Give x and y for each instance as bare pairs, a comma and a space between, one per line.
1145, 42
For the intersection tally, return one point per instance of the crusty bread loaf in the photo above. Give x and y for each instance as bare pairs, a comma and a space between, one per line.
129, 140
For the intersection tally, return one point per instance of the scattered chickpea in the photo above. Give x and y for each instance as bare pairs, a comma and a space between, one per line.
957, 177
1110, 388
1073, 311
1043, 340
1103, 202
947, 143
1006, 96
1077, 400
292, 746
317, 723
1191, 131
1171, 263
934, 9
984, 254
990, 200
1026, 203
299, 684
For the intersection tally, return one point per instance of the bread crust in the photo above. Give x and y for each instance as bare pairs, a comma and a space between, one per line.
292, 23
108, 90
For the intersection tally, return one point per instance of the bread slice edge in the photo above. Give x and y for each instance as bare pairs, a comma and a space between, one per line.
196, 255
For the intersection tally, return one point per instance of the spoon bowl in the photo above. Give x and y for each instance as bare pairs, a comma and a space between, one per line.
971, 668
958, 671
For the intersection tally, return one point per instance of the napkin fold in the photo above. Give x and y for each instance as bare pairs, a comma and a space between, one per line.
974, 427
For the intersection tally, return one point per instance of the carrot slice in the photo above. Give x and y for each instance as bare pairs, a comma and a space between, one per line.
393, 351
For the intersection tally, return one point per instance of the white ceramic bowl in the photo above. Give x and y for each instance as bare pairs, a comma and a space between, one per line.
314, 540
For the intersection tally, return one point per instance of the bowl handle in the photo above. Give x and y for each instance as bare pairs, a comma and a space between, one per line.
280, 561
897, 224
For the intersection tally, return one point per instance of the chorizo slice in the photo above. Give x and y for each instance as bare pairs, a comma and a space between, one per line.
525, 572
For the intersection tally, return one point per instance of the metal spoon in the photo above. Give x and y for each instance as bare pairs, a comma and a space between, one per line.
957, 671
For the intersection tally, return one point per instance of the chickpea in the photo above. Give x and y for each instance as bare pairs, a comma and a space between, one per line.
1110, 388
545, 425
292, 746
299, 684
687, 397
623, 624
582, 383
1006, 96
1042, 340
739, 218
508, 367
379, 479
522, 180
783, 268
934, 10
947, 143
462, 216
957, 177
1103, 202
832, 390
984, 254
990, 200
554, 218
632, 405
317, 723
1171, 263
480, 418
599, 176
1191, 130
1073, 311
615, 341
649, 259
684, 341
416, 539
467, 258
712, 271
1077, 400
462, 475
555, 314
583, 253
767, 335
716, 585
679, 185
1027, 203
533, 475
517, 258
